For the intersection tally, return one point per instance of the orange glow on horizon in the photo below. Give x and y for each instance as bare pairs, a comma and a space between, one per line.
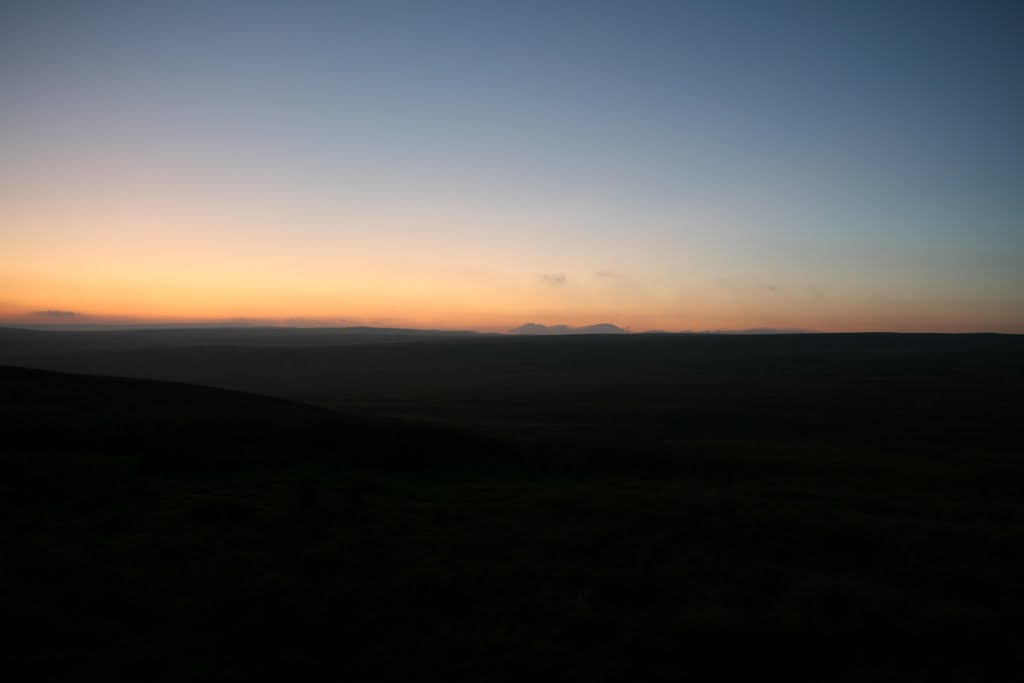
105, 261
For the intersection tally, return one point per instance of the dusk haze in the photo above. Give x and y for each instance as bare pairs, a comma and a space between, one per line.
677, 166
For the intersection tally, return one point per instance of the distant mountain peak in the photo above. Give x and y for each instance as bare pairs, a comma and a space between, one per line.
599, 328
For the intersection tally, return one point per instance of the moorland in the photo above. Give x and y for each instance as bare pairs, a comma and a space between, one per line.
396, 505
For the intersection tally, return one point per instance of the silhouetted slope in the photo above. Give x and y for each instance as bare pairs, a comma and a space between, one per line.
54, 413
56, 400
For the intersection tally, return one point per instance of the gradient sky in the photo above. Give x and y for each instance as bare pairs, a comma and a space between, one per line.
657, 165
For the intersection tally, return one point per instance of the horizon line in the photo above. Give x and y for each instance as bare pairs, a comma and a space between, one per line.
581, 330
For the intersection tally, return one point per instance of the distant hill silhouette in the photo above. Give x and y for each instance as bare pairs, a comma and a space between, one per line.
40, 339
599, 328
760, 330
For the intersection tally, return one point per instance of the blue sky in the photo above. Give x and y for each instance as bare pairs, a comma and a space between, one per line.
731, 164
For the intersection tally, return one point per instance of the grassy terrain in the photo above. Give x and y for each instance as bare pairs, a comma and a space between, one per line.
843, 510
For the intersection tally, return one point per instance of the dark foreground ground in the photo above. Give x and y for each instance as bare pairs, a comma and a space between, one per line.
839, 508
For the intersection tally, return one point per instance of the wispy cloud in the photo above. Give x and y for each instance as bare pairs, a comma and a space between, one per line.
608, 275
770, 291
553, 279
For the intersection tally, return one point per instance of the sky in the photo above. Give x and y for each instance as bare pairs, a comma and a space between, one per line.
479, 165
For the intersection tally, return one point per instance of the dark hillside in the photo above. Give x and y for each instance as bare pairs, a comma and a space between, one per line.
170, 532
658, 391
